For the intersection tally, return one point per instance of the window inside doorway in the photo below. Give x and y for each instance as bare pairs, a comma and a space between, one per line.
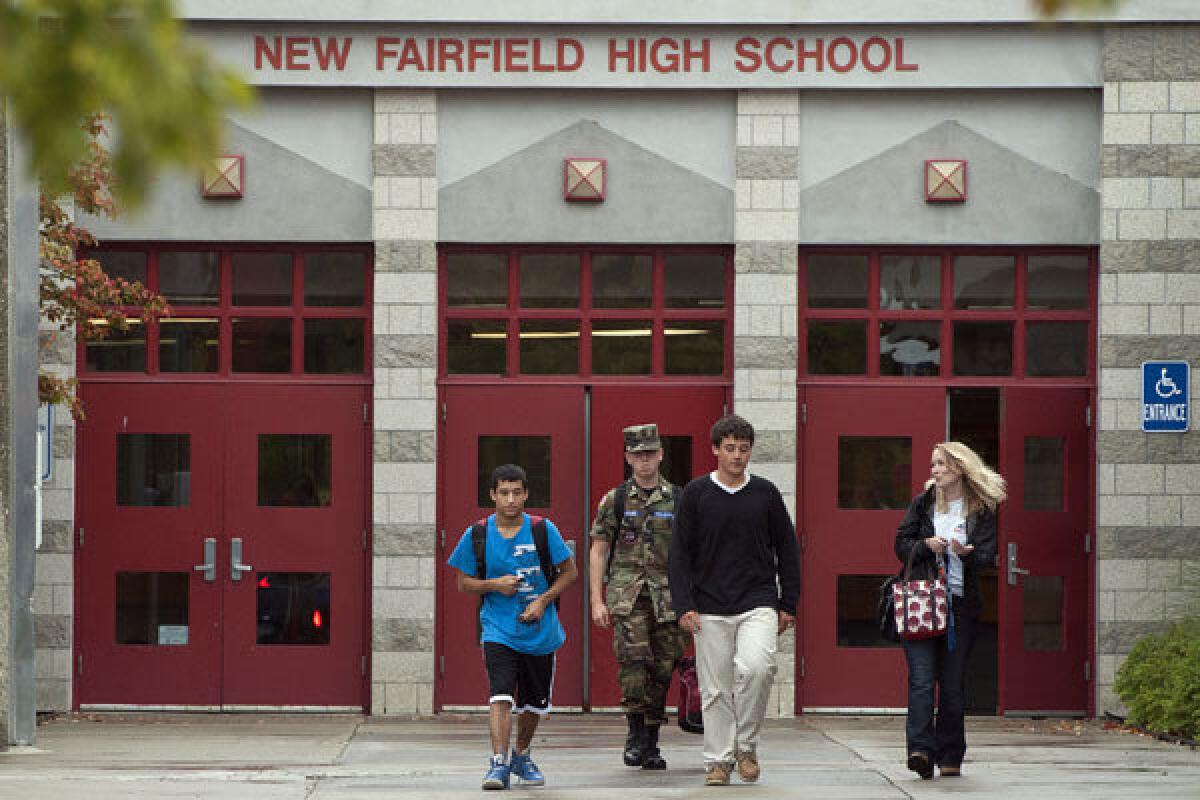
873, 472
152, 608
676, 464
532, 453
244, 311
295, 470
154, 469
293, 608
857, 612
948, 314
606, 313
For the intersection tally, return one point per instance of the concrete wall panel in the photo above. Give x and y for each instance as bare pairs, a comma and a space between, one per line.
649, 198
308, 178
1060, 130
1011, 199
692, 129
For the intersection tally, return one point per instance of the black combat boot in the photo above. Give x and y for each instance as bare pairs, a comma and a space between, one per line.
653, 758
635, 742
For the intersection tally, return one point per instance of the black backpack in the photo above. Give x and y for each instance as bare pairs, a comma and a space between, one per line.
540, 541
619, 497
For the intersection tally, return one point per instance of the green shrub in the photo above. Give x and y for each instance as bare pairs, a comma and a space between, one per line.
1160, 680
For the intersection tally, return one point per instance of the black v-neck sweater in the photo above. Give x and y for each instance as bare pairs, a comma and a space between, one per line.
733, 552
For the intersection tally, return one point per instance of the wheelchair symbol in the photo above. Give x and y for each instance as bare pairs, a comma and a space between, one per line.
1165, 387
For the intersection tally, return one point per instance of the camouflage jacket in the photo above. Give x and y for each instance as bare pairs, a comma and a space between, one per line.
639, 546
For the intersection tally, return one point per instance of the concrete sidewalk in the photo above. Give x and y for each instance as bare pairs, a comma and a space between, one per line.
98, 757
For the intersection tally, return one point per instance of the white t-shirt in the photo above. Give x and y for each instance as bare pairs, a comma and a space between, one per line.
949, 526
730, 489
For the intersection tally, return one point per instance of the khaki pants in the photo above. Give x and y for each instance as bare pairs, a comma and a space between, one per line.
735, 661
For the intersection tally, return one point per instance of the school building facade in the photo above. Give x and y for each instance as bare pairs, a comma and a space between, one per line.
443, 243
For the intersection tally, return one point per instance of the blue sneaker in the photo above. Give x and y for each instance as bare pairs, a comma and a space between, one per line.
523, 767
497, 774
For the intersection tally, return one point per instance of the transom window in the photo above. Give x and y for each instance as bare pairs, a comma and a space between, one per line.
241, 311
948, 314
585, 312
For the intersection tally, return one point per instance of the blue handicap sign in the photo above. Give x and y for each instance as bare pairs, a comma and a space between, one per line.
1165, 396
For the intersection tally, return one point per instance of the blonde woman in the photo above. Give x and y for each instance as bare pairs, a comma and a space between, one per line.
952, 522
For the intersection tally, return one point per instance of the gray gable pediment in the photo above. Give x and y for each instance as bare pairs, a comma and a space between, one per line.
288, 198
1010, 198
649, 198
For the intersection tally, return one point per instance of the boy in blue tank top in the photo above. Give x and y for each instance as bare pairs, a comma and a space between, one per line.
519, 620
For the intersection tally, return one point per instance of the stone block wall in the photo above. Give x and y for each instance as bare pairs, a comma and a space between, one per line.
766, 227
1148, 514
405, 352
54, 588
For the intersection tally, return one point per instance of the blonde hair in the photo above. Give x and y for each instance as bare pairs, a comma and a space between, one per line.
983, 487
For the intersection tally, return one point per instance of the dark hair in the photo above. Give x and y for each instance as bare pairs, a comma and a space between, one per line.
509, 472
732, 425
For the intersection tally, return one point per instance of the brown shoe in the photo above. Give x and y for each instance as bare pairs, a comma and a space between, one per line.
747, 767
919, 763
950, 772
716, 775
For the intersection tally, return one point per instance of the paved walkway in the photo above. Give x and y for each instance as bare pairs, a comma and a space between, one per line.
215, 757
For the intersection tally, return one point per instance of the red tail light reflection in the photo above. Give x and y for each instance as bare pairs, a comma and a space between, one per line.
316, 618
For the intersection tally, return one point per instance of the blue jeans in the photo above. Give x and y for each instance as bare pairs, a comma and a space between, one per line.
940, 735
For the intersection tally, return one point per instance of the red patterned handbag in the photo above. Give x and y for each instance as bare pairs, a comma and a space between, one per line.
921, 607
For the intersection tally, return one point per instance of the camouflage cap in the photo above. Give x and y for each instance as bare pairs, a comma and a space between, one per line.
639, 438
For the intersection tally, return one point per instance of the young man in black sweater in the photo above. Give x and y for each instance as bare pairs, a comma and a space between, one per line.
734, 569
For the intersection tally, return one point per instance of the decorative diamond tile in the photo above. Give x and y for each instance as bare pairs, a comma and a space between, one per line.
225, 176
584, 179
945, 181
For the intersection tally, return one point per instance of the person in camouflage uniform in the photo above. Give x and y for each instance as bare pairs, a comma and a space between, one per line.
646, 639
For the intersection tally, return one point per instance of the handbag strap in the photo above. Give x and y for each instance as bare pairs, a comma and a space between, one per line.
912, 553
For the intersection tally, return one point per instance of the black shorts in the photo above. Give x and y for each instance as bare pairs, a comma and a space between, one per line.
523, 680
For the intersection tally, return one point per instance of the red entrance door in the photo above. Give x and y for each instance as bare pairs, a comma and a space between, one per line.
541, 428
684, 418
221, 559
865, 454
148, 626
1043, 569
296, 489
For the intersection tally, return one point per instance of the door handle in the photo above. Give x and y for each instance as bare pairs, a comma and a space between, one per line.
209, 567
236, 567
1013, 569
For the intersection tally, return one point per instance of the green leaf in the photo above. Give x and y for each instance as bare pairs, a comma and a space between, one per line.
62, 61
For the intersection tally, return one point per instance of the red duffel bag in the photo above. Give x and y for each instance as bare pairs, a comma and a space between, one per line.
691, 711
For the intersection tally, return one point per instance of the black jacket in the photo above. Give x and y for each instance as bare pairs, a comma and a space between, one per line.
917, 526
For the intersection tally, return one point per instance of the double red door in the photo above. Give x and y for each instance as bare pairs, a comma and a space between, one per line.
865, 453
220, 558
568, 439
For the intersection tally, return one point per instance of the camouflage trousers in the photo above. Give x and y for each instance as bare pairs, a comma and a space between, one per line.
646, 651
